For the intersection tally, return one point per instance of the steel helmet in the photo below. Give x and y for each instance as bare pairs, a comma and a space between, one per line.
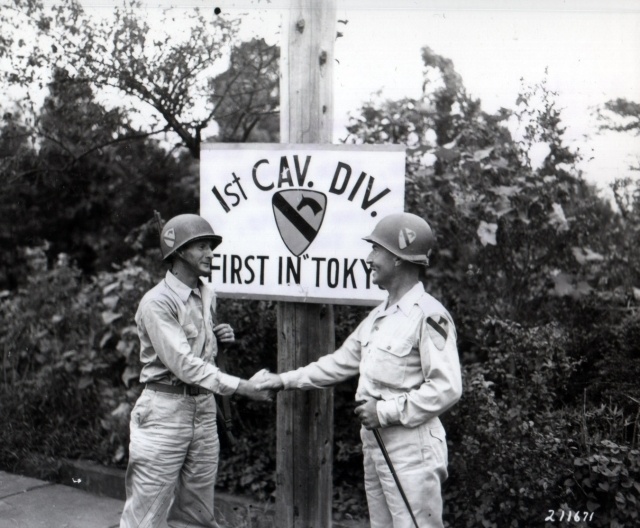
405, 235
185, 228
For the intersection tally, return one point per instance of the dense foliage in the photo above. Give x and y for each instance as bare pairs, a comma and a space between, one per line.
80, 176
538, 270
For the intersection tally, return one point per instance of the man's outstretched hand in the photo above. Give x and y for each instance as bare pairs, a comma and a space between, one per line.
248, 389
267, 381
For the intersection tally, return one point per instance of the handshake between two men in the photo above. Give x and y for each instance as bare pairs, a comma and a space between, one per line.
261, 387
266, 384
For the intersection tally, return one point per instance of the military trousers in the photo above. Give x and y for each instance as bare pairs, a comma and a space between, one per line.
419, 457
173, 462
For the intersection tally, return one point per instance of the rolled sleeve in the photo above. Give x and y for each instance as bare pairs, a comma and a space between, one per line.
388, 412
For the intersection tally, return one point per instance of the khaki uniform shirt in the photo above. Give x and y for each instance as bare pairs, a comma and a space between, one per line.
407, 358
177, 343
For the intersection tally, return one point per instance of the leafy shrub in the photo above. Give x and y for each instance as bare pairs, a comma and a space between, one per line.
68, 353
508, 435
607, 481
611, 367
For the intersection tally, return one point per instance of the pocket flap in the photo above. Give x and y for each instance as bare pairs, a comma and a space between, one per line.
390, 346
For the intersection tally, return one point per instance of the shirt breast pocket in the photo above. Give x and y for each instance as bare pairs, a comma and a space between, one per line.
389, 362
190, 331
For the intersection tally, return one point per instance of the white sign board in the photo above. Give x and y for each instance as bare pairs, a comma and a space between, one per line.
292, 217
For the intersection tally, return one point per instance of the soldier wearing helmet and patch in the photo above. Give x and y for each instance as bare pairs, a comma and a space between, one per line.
406, 355
174, 447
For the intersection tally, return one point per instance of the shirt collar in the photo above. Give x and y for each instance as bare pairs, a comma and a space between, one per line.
406, 302
411, 297
182, 290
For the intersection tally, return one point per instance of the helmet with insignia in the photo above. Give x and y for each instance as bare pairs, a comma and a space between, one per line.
406, 235
185, 228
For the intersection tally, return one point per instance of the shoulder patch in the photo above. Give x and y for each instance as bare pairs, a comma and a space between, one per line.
438, 328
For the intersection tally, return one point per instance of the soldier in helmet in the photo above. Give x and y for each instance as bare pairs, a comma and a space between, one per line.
173, 452
406, 355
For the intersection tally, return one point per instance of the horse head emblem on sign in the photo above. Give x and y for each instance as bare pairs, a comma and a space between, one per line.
299, 214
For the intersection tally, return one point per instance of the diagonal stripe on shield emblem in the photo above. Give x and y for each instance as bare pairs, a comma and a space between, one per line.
299, 215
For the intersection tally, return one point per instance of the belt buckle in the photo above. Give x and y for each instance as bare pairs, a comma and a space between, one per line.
193, 391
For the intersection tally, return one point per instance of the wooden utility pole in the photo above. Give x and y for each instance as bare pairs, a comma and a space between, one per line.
305, 331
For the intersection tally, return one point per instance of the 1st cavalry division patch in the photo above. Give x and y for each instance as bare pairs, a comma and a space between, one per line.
438, 327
